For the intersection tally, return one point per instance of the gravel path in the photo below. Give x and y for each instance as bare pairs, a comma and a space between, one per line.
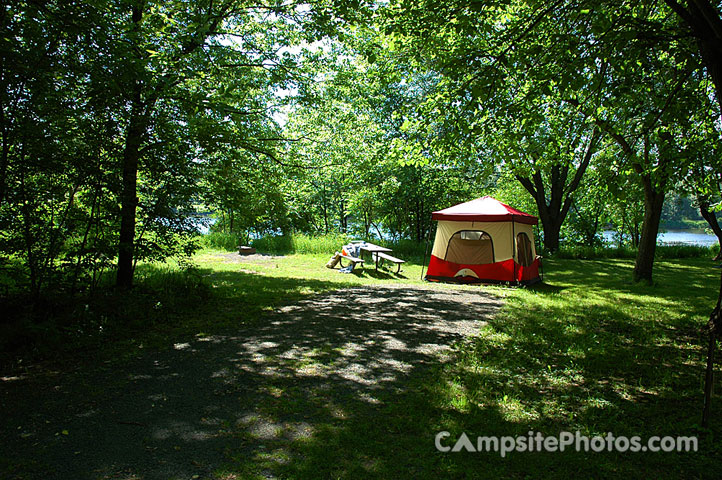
184, 412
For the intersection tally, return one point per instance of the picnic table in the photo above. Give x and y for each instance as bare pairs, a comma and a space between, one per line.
378, 255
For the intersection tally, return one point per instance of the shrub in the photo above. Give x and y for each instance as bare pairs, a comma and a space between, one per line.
407, 249
299, 243
328, 244
224, 241
662, 252
54, 323
582, 252
686, 251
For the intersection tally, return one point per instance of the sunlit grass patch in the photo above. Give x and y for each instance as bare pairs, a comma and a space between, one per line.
589, 350
513, 410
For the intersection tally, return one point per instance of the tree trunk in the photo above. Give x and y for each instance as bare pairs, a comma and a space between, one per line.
709, 374
129, 194
552, 235
4, 151
342, 216
325, 210
711, 219
553, 210
712, 58
703, 18
417, 220
88, 227
28, 236
551, 214
129, 201
713, 327
654, 186
653, 201
422, 237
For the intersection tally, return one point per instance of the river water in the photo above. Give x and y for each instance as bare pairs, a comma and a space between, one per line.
685, 237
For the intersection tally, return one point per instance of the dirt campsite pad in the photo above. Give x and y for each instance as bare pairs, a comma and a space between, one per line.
263, 403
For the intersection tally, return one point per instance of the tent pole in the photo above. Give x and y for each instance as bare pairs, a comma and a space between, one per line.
513, 247
426, 250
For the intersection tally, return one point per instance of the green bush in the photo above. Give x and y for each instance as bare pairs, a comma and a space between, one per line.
328, 244
662, 252
54, 323
286, 244
406, 249
581, 252
409, 249
278, 245
224, 241
686, 251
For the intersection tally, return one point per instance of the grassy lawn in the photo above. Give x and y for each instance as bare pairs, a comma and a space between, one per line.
591, 352
242, 291
587, 351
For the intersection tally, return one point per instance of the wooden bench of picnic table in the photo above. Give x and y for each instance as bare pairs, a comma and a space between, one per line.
385, 256
378, 256
349, 259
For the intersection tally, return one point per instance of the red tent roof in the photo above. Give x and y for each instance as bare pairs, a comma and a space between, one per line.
484, 209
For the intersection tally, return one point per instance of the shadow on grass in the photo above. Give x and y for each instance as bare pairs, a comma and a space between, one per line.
252, 400
545, 288
350, 384
377, 274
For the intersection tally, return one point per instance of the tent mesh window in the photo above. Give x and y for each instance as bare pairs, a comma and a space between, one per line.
523, 250
470, 247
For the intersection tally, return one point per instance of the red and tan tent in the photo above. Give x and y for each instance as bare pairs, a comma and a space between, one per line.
484, 240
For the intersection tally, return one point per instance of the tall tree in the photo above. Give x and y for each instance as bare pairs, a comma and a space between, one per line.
626, 67
704, 21
222, 56
552, 162
504, 92
56, 134
162, 41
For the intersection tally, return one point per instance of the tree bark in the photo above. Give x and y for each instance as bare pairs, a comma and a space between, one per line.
417, 220
553, 210
550, 212
654, 193
28, 236
89, 225
653, 201
552, 235
325, 209
4, 154
129, 194
711, 219
143, 97
709, 373
705, 23
713, 327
